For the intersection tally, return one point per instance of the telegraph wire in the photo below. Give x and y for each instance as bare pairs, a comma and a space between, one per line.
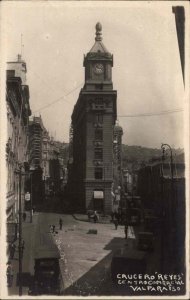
57, 100
164, 112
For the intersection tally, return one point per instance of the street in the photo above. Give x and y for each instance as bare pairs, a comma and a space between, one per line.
85, 255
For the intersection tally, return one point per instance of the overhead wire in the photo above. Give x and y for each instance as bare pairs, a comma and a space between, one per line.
58, 99
164, 112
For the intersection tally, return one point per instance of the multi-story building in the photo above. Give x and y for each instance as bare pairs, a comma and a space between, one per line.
93, 121
161, 186
35, 142
35, 160
18, 112
117, 167
45, 161
53, 164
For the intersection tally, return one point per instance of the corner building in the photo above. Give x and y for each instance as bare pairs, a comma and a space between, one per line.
93, 121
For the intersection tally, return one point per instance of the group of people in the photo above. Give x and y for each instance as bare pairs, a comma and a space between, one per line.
52, 227
10, 272
115, 217
93, 215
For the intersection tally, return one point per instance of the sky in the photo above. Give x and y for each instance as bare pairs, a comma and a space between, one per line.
146, 73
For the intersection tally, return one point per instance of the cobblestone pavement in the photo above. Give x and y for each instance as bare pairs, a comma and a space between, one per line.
85, 254
86, 257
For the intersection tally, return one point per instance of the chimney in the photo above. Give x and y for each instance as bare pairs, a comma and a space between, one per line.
19, 57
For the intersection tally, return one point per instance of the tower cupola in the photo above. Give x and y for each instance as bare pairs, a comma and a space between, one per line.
98, 64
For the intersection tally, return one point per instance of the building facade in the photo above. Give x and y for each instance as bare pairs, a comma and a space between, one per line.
163, 191
35, 142
35, 182
53, 165
18, 112
93, 121
117, 167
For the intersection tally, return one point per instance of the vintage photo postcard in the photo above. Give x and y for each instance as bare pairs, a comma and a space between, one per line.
94, 149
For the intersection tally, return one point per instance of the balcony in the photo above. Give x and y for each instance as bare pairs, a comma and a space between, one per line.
98, 107
98, 143
98, 125
98, 162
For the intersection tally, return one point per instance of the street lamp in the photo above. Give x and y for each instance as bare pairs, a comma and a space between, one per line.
171, 157
171, 202
19, 172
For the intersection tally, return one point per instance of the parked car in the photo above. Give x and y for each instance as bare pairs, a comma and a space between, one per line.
47, 275
151, 224
145, 241
127, 261
133, 216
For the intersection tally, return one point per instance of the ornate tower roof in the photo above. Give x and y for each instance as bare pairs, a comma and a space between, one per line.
98, 45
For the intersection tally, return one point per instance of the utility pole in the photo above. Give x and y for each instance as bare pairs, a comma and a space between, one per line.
162, 217
20, 232
171, 206
31, 194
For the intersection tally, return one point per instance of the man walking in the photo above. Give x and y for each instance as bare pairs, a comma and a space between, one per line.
12, 250
9, 274
116, 223
125, 230
60, 223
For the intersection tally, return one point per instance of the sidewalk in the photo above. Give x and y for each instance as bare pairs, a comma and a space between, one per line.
28, 235
84, 218
86, 250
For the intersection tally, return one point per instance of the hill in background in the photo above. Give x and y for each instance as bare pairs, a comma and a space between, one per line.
135, 154
142, 155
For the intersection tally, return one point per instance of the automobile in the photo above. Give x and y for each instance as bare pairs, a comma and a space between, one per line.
133, 216
126, 261
148, 212
145, 241
47, 274
151, 224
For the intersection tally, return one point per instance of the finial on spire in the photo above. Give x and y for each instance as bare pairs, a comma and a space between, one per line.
98, 32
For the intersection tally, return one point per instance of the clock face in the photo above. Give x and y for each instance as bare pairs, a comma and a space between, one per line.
98, 68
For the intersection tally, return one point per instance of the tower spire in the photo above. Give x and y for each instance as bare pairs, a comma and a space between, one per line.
98, 32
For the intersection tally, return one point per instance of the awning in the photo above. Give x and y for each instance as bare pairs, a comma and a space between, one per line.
98, 195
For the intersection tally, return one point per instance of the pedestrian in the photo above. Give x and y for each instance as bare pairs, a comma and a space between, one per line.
12, 250
60, 223
115, 223
24, 216
117, 216
125, 230
9, 274
95, 217
22, 248
53, 228
89, 214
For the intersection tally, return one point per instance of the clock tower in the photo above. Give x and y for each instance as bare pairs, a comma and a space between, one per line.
98, 65
93, 120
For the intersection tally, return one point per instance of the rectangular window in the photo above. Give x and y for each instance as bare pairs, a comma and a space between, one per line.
98, 118
99, 103
98, 134
98, 153
99, 86
98, 173
10, 73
